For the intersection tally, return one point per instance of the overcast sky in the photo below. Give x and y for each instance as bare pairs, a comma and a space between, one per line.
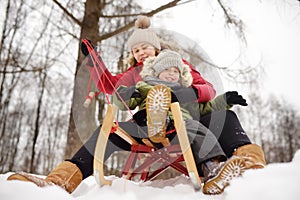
272, 30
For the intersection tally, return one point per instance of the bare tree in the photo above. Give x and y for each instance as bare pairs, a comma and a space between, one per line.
27, 68
274, 124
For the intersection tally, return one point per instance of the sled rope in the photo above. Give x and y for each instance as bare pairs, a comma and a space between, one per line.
97, 62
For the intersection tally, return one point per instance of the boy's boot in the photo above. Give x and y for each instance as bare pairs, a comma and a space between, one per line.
217, 175
157, 105
66, 175
253, 155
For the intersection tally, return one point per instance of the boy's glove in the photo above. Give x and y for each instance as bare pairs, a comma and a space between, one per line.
173, 98
233, 98
140, 117
128, 92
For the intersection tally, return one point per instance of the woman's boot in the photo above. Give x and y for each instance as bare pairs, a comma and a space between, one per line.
217, 175
253, 155
66, 175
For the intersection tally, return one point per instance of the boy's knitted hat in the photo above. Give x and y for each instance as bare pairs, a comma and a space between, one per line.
143, 33
165, 60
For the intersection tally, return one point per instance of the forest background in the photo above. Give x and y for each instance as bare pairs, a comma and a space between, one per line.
44, 81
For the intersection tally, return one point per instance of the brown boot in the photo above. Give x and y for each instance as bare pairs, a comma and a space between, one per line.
217, 175
157, 105
66, 175
253, 156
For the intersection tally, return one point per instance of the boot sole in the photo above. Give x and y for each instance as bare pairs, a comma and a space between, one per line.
233, 167
157, 105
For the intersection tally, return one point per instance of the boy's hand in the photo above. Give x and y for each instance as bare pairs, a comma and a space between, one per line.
233, 98
128, 92
173, 97
136, 94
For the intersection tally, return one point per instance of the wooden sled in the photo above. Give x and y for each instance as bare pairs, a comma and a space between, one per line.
168, 156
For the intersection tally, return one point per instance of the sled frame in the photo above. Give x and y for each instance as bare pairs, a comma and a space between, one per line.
183, 150
168, 156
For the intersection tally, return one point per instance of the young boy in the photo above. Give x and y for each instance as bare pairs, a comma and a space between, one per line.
168, 69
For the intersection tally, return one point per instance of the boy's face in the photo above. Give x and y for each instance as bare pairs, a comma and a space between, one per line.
171, 75
142, 51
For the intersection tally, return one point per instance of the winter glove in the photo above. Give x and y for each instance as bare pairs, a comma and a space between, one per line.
140, 117
128, 92
233, 98
136, 94
84, 48
173, 98
143, 88
184, 94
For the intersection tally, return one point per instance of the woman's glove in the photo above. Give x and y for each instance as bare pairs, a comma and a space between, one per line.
84, 49
233, 98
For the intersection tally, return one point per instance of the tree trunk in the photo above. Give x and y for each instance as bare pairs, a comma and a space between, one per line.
82, 120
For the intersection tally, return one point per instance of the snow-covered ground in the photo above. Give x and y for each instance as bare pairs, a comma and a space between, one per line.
275, 182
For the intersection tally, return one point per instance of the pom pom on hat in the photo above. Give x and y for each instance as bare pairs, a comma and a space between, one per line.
143, 33
142, 22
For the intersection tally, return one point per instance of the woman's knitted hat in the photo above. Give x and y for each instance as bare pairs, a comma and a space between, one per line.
143, 33
166, 59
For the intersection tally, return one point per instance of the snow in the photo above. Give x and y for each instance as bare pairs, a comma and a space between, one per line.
276, 181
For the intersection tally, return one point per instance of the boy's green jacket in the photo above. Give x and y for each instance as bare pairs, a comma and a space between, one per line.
190, 110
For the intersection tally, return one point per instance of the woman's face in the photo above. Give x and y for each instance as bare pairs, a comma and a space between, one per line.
171, 75
142, 51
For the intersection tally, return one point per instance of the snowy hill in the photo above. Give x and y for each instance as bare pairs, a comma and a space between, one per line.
275, 182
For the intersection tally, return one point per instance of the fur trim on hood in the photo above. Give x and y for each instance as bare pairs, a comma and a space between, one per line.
166, 59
